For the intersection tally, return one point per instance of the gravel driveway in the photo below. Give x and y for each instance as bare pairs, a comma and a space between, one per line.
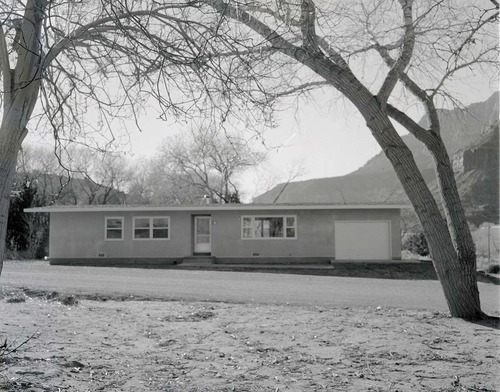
235, 286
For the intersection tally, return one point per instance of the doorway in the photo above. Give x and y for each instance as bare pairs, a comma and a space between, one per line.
202, 234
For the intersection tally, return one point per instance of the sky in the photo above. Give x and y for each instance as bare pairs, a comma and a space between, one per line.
318, 140
324, 138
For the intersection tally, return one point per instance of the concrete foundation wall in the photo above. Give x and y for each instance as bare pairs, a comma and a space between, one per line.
119, 262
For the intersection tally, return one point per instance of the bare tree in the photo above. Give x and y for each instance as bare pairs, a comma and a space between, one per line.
140, 184
152, 182
166, 187
232, 56
423, 47
80, 176
209, 161
39, 165
75, 67
101, 177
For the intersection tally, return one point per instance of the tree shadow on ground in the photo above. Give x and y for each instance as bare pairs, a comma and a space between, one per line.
492, 322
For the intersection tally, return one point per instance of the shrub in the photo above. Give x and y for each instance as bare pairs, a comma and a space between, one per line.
27, 234
487, 240
416, 243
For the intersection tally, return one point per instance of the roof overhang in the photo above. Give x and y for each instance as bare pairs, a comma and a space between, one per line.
217, 207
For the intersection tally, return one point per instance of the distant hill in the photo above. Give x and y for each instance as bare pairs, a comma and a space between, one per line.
61, 190
459, 129
474, 128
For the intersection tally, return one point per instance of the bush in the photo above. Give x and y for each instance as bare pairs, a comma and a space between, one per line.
27, 234
487, 240
416, 243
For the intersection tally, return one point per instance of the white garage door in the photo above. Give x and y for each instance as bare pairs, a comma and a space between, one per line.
363, 240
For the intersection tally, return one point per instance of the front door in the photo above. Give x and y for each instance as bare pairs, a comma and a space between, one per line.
202, 239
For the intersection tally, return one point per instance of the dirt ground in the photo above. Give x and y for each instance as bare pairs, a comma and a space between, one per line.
130, 344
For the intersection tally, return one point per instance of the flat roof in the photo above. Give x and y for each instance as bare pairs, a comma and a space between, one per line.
213, 207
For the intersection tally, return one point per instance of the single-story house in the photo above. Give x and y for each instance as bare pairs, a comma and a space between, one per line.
224, 233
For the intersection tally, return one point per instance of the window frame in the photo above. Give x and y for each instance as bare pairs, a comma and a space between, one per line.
151, 228
252, 227
106, 228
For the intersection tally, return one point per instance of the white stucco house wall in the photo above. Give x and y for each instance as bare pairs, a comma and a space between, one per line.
228, 233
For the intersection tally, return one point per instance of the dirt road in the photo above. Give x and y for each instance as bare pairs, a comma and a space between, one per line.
236, 287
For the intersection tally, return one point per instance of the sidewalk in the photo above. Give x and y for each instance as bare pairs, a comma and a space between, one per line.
398, 269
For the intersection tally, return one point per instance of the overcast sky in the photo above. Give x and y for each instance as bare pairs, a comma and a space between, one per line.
328, 138
325, 137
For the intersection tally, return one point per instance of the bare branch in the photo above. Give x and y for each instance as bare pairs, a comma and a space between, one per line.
406, 54
415, 89
420, 133
86, 32
307, 25
333, 54
300, 89
5, 67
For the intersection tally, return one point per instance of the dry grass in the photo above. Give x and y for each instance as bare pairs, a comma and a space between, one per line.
112, 345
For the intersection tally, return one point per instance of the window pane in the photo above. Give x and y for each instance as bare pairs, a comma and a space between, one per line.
160, 222
258, 228
202, 225
160, 233
275, 227
247, 233
141, 233
114, 233
269, 227
141, 223
265, 228
114, 223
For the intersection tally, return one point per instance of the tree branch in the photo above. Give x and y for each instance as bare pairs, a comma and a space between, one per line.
455, 54
5, 68
307, 26
84, 32
404, 59
301, 88
341, 78
333, 54
415, 89
420, 133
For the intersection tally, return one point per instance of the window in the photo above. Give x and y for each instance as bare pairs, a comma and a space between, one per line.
114, 228
151, 228
254, 227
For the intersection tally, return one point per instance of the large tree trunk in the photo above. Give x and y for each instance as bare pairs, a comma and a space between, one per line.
21, 88
10, 143
452, 263
455, 214
452, 205
450, 244
455, 271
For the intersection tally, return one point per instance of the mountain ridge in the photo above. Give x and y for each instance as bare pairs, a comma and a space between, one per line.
376, 182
